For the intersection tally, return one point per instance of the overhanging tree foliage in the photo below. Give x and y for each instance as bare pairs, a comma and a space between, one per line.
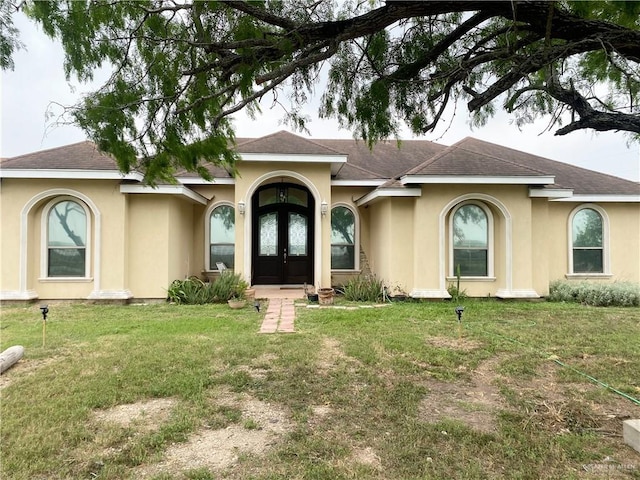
182, 68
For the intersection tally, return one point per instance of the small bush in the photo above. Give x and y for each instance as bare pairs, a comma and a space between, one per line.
193, 291
619, 294
364, 288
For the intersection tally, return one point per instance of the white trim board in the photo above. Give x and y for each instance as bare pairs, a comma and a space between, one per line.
479, 179
165, 190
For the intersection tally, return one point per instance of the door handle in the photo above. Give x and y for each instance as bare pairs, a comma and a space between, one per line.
285, 255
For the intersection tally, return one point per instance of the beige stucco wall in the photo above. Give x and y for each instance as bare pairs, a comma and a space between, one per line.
107, 251
147, 240
623, 241
161, 243
315, 176
510, 207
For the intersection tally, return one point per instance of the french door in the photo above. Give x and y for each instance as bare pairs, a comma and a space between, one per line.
282, 243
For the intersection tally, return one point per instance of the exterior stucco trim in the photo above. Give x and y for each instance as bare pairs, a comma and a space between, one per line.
165, 190
606, 249
519, 293
73, 174
202, 181
443, 231
429, 293
600, 198
554, 193
356, 246
388, 192
24, 234
248, 232
479, 179
110, 295
358, 183
207, 232
18, 295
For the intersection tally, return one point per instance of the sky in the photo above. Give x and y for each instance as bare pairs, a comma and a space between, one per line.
32, 95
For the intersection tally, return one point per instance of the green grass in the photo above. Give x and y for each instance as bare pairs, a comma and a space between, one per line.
380, 374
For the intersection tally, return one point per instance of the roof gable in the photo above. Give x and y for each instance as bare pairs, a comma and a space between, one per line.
283, 142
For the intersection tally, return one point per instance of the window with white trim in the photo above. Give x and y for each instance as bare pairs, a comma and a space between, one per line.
66, 232
343, 238
471, 241
587, 245
222, 236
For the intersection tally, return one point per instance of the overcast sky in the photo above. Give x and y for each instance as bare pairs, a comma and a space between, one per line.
32, 92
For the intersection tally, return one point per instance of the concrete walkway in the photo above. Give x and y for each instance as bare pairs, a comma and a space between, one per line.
281, 312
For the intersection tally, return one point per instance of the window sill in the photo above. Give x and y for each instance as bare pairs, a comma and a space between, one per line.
66, 280
587, 276
472, 279
347, 271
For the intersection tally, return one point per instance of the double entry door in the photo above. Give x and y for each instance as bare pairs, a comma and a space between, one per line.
282, 243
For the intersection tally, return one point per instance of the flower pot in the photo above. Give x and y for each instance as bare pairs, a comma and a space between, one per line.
237, 303
250, 294
325, 296
312, 297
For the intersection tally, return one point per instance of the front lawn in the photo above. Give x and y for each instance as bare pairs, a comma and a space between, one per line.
396, 392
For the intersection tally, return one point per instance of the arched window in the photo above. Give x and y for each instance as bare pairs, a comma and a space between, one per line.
587, 245
222, 235
471, 241
343, 239
67, 231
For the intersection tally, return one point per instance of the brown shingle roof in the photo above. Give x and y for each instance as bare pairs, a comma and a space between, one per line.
77, 156
471, 156
285, 143
385, 161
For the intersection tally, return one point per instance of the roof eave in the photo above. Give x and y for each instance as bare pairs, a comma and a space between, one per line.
336, 161
381, 193
479, 179
165, 190
600, 197
71, 174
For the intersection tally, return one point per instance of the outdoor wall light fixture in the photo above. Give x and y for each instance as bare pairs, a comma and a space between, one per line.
324, 208
241, 207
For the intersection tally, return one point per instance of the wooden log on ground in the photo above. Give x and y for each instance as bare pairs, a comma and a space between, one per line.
10, 356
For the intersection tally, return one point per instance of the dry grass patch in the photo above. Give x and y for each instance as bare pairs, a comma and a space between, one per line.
473, 403
259, 429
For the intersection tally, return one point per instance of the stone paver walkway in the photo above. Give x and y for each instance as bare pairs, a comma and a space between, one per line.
281, 312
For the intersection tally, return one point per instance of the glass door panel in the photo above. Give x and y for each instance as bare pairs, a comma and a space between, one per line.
268, 238
297, 234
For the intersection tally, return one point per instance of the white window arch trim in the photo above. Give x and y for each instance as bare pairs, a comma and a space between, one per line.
356, 239
606, 250
44, 242
24, 293
490, 239
207, 230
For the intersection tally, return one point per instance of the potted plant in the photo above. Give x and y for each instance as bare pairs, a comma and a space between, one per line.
237, 298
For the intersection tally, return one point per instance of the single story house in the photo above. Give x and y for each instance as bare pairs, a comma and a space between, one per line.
315, 212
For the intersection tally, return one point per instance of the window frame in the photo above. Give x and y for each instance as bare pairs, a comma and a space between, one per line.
356, 238
207, 253
44, 243
606, 265
490, 241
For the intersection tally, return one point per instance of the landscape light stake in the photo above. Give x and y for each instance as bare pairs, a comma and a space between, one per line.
44, 309
459, 311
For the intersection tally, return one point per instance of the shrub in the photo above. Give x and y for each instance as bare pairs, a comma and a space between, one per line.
190, 291
193, 291
364, 288
619, 294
